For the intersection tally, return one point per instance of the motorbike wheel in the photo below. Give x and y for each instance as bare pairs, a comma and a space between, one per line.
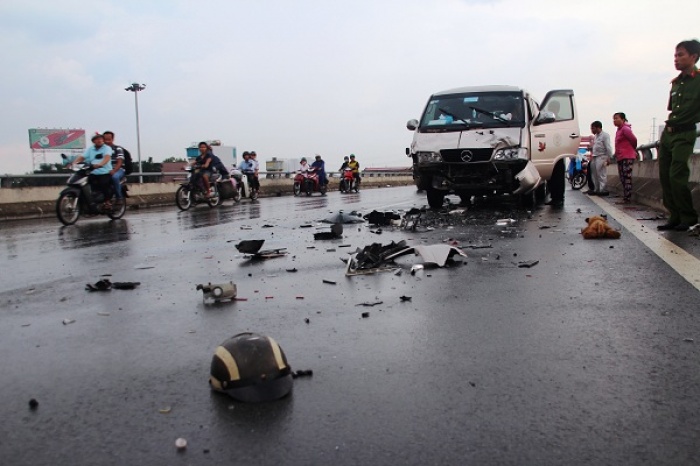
343, 186
183, 198
578, 181
215, 199
323, 189
236, 196
68, 208
117, 212
309, 187
297, 188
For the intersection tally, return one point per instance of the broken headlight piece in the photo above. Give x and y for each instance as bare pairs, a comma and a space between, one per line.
428, 157
510, 153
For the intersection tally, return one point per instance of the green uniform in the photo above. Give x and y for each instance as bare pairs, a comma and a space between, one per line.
676, 147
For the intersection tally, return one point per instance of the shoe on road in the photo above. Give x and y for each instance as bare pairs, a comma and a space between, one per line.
667, 226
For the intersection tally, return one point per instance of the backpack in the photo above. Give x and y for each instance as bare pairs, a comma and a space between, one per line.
128, 164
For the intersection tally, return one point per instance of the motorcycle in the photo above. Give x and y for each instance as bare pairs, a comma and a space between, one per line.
578, 176
79, 199
308, 182
245, 183
192, 192
348, 181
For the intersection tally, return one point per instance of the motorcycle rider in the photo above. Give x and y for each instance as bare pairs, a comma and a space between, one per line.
117, 172
203, 163
320, 167
247, 167
256, 170
346, 159
303, 165
355, 166
99, 156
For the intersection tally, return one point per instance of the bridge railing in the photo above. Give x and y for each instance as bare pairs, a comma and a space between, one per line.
59, 179
651, 151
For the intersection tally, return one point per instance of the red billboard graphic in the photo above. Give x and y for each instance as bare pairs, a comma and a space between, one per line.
48, 139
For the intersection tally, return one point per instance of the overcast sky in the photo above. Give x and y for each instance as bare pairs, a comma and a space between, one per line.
292, 78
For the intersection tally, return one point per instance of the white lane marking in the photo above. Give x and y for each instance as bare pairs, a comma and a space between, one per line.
685, 264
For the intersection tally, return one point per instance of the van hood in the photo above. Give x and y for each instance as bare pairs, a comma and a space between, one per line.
495, 138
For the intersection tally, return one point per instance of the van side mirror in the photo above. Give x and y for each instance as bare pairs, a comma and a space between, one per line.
412, 125
546, 117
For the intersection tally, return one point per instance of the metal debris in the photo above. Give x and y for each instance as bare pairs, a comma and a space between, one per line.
335, 233
125, 285
329, 282
365, 315
251, 248
102, 285
404, 298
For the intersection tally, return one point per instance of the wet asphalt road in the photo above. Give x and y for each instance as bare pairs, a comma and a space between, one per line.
582, 359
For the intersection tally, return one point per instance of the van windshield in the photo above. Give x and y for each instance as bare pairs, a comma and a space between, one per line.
455, 112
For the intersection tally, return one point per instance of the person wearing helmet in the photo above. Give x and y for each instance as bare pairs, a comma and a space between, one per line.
303, 165
320, 166
346, 159
251, 368
355, 167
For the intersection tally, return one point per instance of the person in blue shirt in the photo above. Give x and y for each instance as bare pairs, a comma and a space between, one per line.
320, 167
247, 167
99, 156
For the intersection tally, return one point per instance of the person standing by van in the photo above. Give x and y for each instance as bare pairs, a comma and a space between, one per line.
625, 154
601, 152
677, 141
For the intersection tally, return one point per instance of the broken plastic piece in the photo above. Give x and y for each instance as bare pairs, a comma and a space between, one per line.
365, 315
218, 293
68, 321
181, 443
527, 264
33, 404
330, 282
165, 410
370, 304
342, 217
416, 268
404, 298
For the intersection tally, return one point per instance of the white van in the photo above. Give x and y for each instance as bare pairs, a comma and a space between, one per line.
491, 140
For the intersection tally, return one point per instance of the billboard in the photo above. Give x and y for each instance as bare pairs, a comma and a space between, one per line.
48, 139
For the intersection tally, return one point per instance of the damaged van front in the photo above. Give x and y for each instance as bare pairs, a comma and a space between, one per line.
479, 141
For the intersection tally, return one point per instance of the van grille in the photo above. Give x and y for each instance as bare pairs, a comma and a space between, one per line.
456, 155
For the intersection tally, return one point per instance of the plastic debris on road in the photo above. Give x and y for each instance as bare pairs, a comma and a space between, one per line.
68, 321
181, 444
335, 233
251, 248
342, 217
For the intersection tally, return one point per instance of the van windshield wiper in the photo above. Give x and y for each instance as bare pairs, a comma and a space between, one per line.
490, 114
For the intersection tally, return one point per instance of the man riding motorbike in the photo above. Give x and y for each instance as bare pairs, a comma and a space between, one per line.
99, 156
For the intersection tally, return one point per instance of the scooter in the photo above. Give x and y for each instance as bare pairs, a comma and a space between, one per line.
308, 182
192, 192
348, 182
578, 177
79, 199
245, 183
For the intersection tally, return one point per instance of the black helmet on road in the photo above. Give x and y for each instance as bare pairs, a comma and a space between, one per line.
251, 367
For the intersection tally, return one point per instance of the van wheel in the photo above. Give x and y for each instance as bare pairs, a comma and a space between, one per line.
435, 198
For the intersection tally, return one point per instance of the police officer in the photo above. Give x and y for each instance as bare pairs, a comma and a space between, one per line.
678, 138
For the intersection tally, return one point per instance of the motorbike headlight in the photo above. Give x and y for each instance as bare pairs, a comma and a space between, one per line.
511, 153
429, 157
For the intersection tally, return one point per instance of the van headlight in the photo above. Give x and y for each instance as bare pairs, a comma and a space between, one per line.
429, 157
511, 153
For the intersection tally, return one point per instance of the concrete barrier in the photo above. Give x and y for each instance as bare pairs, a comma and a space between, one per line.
646, 188
38, 202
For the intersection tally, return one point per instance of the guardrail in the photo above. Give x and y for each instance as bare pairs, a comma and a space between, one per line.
651, 151
59, 179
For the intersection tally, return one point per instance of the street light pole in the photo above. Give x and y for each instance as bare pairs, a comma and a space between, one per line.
136, 88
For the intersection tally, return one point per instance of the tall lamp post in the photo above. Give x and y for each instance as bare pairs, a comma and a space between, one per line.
136, 88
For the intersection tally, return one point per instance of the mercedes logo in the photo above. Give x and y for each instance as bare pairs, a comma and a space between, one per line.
466, 156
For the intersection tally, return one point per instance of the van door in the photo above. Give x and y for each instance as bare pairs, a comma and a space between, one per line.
554, 133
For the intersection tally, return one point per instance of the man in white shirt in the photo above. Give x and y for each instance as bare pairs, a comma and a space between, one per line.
601, 152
